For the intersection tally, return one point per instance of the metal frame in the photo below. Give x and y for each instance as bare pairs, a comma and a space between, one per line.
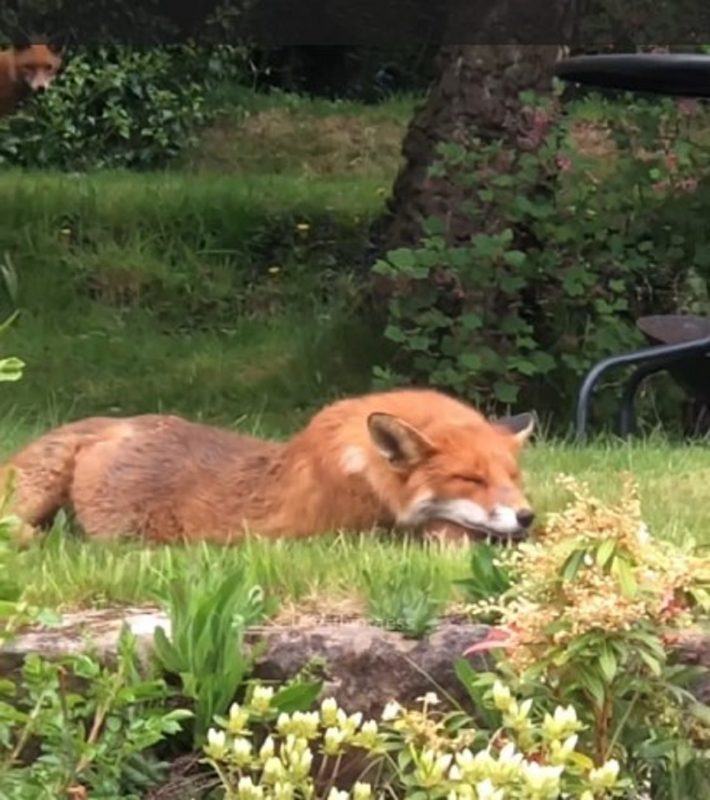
652, 359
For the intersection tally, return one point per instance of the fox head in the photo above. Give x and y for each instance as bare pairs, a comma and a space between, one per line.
468, 475
36, 66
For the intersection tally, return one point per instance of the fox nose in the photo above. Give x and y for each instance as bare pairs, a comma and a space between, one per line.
525, 517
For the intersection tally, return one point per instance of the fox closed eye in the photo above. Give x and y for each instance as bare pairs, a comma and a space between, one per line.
477, 479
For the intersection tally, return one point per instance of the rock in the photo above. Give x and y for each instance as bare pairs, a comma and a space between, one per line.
363, 666
366, 666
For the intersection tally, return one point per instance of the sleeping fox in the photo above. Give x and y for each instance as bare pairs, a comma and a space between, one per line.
411, 459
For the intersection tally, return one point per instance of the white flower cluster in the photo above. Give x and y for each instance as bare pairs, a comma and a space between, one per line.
537, 761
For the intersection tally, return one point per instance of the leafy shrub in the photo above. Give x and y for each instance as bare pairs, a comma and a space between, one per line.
594, 608
112, 107
93, 726
574, 239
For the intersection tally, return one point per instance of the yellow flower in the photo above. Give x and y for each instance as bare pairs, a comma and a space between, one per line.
349, 724
274, 771
362, 791
303, 227
329, 711
368, 734
508, 765
284, 724
391, 711
261, 698
267, 749
283, 790
486, 791
432, 767
241, 751
604, 777
560, 752
238, 718
333, 741
501, 696
216, 744
563, 723
517, 715
542, 781
246, 790
305, 724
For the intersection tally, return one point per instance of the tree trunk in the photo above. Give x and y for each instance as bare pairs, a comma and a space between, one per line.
477, 94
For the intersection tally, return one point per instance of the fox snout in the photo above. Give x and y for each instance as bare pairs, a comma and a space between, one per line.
39, 81
501, 521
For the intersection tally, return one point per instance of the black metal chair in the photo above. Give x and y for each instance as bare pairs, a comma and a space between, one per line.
683, 353
681, 343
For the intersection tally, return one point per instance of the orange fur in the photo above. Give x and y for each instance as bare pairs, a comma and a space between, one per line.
24, 70
392, 459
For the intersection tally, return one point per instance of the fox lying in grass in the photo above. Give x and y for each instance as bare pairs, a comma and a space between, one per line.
411, 459
25, 69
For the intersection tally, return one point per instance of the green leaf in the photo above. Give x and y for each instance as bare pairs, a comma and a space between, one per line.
515, 258
505, 392
402, 259
607, 664
623, 572
605, 551
298, 697
572, 565
11, 369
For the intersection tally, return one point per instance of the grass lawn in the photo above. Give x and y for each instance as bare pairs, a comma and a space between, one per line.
223, 289
330, 574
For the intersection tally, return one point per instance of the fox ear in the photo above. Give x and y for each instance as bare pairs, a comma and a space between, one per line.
398, 441
521, 426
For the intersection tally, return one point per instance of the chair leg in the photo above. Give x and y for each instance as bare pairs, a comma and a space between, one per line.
627, 422
665, 353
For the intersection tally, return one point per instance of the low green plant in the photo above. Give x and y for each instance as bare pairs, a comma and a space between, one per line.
76, 728
591, 620
205, 646
401, 602
417, 753
488, 578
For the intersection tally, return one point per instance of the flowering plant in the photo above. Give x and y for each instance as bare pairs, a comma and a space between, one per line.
589, 620
415, 753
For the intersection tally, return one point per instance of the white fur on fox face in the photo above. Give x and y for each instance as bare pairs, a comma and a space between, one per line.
40, 80
501, 519
353, 460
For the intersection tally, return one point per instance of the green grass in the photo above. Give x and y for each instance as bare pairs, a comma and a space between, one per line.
198, 291
281, 133
332, 572
190, 294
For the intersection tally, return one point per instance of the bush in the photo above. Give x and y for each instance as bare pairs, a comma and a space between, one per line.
418, 753
577, 237
76, 728
116, 107
591, 619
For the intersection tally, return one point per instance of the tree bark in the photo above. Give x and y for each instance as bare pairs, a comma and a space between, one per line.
477, 94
